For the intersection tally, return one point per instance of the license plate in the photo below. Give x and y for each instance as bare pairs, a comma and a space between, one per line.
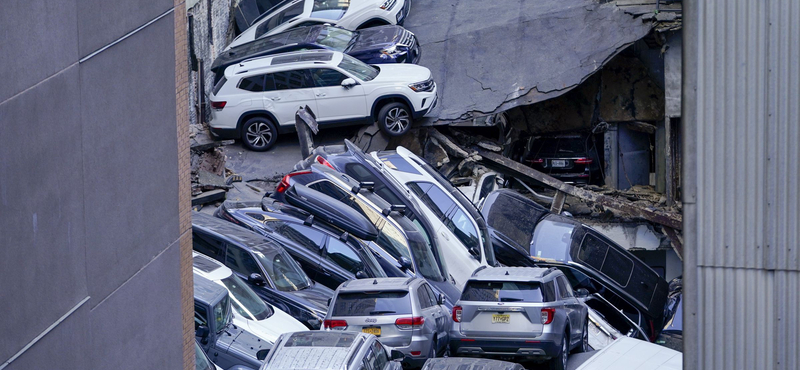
558, 163
501, 319
374, 331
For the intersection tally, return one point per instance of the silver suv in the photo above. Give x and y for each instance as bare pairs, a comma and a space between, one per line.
520, 313
404, 313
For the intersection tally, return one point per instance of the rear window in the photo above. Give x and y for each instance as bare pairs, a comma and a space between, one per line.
219, 85
504, 291
372, 304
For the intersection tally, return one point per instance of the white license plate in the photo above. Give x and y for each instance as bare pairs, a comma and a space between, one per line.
558, 162
501, 319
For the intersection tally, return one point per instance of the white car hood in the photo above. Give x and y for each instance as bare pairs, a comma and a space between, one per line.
271, 328
408, 73
359, 5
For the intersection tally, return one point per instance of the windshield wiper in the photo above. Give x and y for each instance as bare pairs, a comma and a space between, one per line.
381, 312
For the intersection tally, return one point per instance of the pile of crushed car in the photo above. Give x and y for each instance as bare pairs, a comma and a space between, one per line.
375, 261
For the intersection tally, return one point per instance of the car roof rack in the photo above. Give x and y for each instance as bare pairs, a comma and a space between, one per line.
478, 270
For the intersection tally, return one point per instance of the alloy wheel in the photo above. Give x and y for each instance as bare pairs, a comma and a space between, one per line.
397, 120
259, 134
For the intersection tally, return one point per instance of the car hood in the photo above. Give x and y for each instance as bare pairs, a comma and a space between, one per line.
315, 297
402, 72
357, 6
245, 345
376, 38
272, 327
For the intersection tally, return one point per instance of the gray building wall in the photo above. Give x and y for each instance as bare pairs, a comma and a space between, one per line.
741, 184
91, 262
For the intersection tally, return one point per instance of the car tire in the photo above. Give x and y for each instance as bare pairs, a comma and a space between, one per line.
560, 362
394, 119
259, 134
584, 345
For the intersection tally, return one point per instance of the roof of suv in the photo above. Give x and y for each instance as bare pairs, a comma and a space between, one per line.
235, 234
260, 64
512, 273
315, 350
206, 290
392, 283
208, 267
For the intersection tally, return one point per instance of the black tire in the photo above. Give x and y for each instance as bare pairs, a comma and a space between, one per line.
259, 134
560, 362
584, 345
394, 119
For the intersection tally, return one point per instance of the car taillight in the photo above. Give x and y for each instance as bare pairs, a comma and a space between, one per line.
536, 160
284, 184
547, 315
406, 323
457, 313
583, 161
334, 324
323, 162
218, 104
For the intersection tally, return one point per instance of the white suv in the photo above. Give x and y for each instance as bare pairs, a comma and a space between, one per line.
460, 227
351, 15
257, 99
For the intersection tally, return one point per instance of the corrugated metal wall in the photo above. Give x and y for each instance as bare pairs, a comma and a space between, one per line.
742, 184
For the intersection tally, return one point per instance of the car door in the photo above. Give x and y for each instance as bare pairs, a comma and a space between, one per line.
343, 263
306, 248
240, 261
439, 313
336, 103
287, 91
572, 306
208, 245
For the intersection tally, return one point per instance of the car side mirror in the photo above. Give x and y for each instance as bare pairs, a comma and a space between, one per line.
361, 275
440, 299
262, 354
582, 293
201, 331
475, 252
256, 279
397, 355
348, 83
405, 264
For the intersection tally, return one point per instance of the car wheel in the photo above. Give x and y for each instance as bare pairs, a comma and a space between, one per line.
560, 362
259, 134
394, 119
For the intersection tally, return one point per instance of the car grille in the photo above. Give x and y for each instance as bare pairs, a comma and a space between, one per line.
407, 39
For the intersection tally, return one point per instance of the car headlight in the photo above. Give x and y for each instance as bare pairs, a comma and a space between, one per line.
424, 86
388, 4
392, 51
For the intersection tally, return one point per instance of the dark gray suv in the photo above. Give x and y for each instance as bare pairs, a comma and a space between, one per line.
520, 313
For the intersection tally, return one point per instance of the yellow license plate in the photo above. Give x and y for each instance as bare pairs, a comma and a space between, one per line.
373, 331
501, 319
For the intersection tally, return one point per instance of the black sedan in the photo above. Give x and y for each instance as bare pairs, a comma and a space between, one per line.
271, 272
375, 45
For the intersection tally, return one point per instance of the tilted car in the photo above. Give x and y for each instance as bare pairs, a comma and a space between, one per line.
464, 245
569, 158
328, 255
351, 15
250, 311
401, 241
331, 350
258, 98
522, 313
266, 267
229, 345
404, 313
527, 234
375, 45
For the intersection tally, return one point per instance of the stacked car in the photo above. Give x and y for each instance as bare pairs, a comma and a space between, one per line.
348, 62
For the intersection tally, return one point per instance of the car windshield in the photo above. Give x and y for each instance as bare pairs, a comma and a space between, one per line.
222, 313
335, 38
361, 70
372, 304
426, 263
393, 242
283, 270
329, 9
502, 291
279, 18
200, 359
552, 239
245, 301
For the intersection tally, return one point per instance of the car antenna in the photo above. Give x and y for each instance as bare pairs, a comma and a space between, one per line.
506, 272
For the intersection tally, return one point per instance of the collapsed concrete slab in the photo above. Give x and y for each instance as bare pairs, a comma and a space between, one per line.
487, 57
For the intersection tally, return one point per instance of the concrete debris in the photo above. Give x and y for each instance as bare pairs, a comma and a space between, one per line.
434, 153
